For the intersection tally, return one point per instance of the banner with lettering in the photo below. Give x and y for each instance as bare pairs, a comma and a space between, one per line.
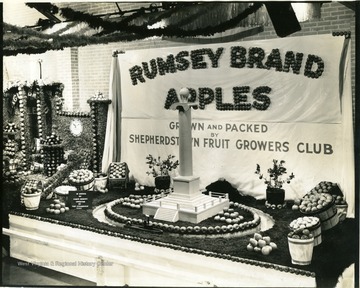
258, 101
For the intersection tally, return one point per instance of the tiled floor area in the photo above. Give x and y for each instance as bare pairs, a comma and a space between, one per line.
17, 273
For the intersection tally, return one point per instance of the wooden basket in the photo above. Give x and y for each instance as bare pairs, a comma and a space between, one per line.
301, 250
118, 181
316, 231
31, 201
328, 216
342, 211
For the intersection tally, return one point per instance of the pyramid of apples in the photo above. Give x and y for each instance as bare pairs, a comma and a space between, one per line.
57, 207
229, 216
261, 244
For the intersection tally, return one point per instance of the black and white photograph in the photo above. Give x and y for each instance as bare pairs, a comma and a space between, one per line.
180, 144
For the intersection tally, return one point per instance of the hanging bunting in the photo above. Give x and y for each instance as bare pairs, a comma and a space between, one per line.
25, 40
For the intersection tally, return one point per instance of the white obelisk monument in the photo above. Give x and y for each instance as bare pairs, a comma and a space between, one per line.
185, 185
186, 203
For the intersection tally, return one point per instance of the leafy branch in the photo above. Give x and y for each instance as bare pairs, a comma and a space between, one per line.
161, 167
275, 178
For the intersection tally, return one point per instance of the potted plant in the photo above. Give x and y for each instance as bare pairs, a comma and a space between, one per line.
160, 169
275, 194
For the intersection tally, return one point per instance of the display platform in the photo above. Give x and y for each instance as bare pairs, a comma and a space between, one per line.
77, 244
108, 260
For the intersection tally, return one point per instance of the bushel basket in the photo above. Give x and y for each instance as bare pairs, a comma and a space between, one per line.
328, 216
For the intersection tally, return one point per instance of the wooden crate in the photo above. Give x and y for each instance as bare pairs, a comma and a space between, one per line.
118, 175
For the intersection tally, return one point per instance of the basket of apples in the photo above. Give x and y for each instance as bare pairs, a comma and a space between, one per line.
341, 206
118, 175
322, 205
301, 246
311, 223
31, 194
82, 179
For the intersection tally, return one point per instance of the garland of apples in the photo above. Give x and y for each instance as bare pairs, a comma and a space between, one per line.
136, 202
95, 102
23, 146
39, 97
94, 127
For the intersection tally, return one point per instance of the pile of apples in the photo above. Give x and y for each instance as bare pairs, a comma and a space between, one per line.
117, 170
98, 96
301, 234
324, 187
31, 190
305, 222
57, 207
229, 216
81, 176
261, 244
31, 187
52, 139
339, 200
315, 201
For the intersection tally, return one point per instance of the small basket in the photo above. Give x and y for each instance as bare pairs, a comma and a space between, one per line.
301, 250
115, 180
31, 201
342, 211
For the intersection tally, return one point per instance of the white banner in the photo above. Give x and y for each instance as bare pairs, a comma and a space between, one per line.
259, 101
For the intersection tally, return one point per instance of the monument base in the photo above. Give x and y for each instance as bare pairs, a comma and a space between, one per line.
186, 203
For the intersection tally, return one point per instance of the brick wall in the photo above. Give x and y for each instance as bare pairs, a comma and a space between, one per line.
56, 66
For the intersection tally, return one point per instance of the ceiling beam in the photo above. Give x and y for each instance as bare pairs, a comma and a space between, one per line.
348, 4
45, 9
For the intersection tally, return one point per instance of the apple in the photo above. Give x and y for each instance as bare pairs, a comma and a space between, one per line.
267, 239
266, 250
257, 249
253, 242
273, 245
261, 243
250, 247
257, 236
295, 207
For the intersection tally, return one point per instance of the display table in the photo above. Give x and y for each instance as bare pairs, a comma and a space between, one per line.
108, 260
